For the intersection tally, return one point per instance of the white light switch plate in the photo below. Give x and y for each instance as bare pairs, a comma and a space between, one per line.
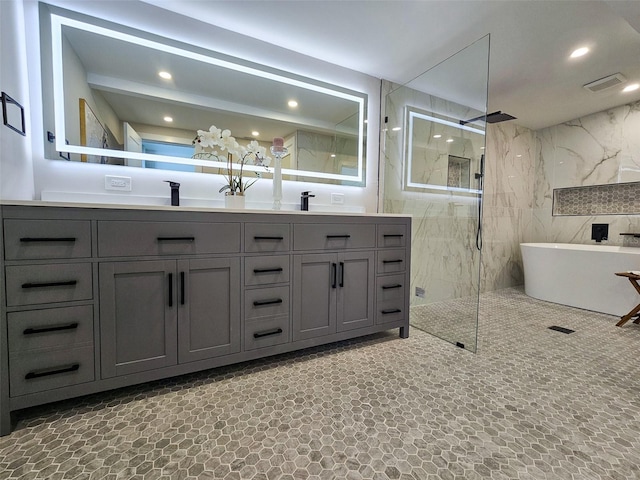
122, 184
337, 199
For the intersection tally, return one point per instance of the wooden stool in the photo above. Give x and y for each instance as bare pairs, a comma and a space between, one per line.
633, 278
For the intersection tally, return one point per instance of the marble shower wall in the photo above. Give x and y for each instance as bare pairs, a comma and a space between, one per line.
602, 148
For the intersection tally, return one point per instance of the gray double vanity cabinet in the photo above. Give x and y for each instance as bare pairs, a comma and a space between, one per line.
96, 298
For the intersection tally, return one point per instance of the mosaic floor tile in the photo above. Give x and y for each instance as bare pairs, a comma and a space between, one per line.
531, 404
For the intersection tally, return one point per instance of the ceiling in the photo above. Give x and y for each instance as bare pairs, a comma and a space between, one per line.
531, 75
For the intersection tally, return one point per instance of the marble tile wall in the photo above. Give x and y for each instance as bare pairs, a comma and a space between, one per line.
601, 148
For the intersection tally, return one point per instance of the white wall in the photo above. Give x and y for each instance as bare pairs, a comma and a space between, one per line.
16, 171
74, 177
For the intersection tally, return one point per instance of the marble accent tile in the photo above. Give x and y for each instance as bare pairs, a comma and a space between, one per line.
615, 199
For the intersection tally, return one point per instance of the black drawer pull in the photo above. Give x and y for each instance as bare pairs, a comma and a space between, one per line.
333, 275
268, 333
338, 236
57, 328
269, 238
181, 288
392, 261
171, 289
66, 283
392, 310
47, 239
341, 284
176, 239
260, 303
267, 270
387, 287
391, 235
52, 371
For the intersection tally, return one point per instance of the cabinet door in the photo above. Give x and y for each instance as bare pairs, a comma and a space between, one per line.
314, 293
209, 308
138, 314
355, 290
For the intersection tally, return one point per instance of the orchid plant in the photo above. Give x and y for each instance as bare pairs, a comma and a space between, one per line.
220, 145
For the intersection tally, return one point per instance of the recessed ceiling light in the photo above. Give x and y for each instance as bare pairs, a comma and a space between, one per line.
165, 75
333, 155
631, 88
519, 156
449, 140
437, 136
579, 52
255, 133
396, 129
292, 103
168, 119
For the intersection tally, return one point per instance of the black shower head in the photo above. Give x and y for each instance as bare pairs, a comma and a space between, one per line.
495, 117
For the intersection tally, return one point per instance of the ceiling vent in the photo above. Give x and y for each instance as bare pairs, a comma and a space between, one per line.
605, 83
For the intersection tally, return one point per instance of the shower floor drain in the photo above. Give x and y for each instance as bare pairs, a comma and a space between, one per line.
561, 329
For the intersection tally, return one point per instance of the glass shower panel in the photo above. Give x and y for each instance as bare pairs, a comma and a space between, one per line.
433, 169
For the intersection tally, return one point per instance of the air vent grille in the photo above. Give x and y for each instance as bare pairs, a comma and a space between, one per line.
606, 83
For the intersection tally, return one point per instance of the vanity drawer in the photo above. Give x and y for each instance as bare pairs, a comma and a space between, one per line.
391, 261
121, 238
266, 332
50, 328
44, 239
266, 237
333, 236
265, 270
263, 302
49, 370
390, 292
392, 236
36, 284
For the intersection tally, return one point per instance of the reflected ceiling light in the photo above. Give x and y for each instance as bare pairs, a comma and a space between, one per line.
396, 129
168, 119
437, 136
631, 88
519, 156
481, 148
333, 155
255, 133
165, 75
292, 103
579, 52
449, 140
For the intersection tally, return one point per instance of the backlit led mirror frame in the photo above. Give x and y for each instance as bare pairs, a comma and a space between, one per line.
355, 123
437, 136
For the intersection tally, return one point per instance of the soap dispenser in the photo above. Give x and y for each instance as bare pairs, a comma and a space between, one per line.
175, 192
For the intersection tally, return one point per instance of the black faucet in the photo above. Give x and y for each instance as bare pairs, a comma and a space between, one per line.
175, 192
599, 231
304, 201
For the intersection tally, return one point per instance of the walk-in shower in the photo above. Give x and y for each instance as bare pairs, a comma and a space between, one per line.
433, 145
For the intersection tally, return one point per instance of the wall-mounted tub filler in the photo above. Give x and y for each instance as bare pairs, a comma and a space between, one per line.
599, 232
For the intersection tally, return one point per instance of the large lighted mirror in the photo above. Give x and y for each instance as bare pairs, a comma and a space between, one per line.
120, 96
442, 154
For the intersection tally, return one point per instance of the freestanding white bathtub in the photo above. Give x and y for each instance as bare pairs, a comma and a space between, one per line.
581, 276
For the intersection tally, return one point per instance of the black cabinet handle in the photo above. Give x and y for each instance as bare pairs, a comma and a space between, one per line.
181, 288
65, 283
338, 236
269, 238
333, 275
176, 239
260, 303
392, 310
171, 289
392, 261
267, 270
56, 328
51, 371
47, 239
391, 235
387, 287
267, 333
341, 284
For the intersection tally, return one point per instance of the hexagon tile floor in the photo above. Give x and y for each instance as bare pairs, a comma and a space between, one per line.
531, 404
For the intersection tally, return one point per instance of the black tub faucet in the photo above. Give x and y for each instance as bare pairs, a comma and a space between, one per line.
175, 192
304, 201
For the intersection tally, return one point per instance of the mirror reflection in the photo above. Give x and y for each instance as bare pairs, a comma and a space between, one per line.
135, 100
442, 154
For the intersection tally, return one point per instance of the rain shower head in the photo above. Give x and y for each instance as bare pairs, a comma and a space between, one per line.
495, 117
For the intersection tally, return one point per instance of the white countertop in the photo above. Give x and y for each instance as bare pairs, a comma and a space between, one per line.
119, 206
